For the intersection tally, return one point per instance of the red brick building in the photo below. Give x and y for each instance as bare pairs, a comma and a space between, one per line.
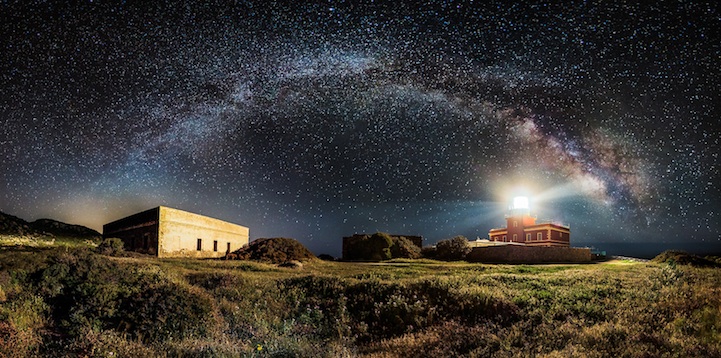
522, 228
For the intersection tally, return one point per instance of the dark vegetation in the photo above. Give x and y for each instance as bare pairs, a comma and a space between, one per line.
380, 246
685, 258
12, 225
111, 247
326, 257
274, 250
453, 249
76, 302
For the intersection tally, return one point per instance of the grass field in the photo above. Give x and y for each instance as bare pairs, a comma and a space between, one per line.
69, 301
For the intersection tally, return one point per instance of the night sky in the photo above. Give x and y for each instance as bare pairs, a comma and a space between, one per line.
319, 121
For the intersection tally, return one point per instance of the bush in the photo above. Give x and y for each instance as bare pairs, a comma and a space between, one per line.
405, 249
453, 249
380, 245
88, 292
111, 246
275, 250
429, 252
326, 257
375, 247
166, 311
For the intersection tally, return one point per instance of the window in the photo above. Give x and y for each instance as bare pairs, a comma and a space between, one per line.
515, 237
515, 223
528, 237
228, 247
200, 244
215, 245
504, 238
539, 236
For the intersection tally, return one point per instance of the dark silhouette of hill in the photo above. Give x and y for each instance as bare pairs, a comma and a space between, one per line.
685, 258
58, 228
15, 226
275, 250
12, 225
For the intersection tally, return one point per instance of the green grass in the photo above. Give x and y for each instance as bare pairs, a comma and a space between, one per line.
74, 301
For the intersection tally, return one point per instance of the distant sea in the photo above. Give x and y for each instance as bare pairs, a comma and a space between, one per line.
648, 250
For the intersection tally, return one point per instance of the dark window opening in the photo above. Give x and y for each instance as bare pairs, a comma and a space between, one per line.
200, 244
228, 247
215, 245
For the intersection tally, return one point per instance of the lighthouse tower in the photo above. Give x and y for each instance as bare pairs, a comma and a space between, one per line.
518, 218
522, 228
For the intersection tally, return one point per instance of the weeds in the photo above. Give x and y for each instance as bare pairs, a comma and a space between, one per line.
79, 302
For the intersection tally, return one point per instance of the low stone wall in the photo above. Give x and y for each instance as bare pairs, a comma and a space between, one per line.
528, 254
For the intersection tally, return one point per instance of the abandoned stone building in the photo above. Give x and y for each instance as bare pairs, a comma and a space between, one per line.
168, 232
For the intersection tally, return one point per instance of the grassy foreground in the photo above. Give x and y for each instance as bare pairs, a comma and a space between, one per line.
73, 302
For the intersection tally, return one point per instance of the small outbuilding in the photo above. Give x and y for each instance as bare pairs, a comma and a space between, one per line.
168, 232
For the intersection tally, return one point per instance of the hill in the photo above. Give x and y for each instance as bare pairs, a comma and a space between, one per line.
685, 258
57, 228
16, 231
12, 225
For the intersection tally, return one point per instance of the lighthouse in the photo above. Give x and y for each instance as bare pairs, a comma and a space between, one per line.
522, 228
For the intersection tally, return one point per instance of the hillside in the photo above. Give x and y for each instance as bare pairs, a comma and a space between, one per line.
13, 225
16, 231
57, 228
95, 305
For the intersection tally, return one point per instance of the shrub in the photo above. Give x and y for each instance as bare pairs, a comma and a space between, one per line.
326, 257
453, 249
380, 244
429, 252
166, 311
375, 247
111, 246
404, 248
275, 250
88, 292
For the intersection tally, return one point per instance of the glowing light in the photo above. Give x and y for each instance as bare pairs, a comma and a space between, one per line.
520, 202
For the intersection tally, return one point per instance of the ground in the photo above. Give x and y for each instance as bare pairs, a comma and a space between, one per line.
95, 305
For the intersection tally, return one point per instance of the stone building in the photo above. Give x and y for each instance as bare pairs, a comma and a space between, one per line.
168, 232
522, 228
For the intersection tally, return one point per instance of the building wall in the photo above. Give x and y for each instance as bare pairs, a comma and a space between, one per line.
179, 232
514, 226
496, 234
139, 232
528, 254
551, 234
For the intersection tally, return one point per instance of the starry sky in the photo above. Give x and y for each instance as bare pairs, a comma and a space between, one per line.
320, 120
